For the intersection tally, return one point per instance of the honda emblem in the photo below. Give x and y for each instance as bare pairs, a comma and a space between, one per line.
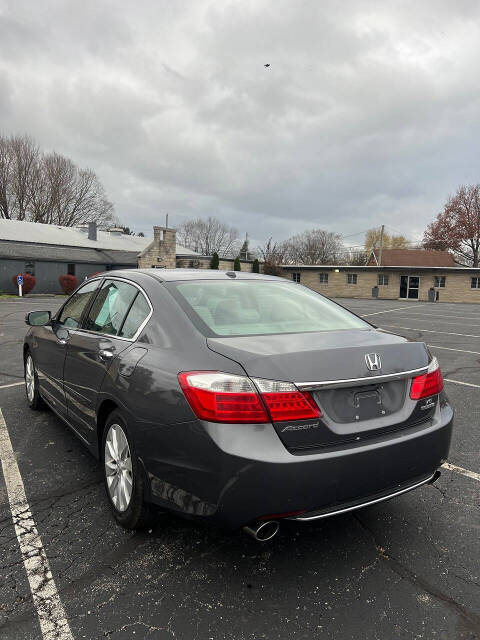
373, 362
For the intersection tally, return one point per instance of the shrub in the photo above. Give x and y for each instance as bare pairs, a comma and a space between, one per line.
236, 264
256, 266
68, 283
29, 282
215, 261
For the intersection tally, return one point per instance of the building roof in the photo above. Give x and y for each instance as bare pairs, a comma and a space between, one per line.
172, 275
344, 268
413, 258
50, 253
50, 234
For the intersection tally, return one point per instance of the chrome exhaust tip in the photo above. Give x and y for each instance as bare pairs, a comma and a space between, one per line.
263, 531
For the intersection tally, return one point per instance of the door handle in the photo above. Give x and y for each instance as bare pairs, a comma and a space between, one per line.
105, 354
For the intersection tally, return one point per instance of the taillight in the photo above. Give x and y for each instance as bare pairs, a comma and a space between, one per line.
223, 397
429, 384
285, 402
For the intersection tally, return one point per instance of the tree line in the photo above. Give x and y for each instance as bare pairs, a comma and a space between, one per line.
314, 246
48, 187
456, 229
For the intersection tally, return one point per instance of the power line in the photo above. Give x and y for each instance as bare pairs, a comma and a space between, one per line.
356, 234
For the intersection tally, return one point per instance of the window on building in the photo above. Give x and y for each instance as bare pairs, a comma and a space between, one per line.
382, 279
296, 277
323, 278
351, 278
29, 268
71, 269
439, 281
475, 283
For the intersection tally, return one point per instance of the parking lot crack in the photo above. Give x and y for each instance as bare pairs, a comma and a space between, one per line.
470, 619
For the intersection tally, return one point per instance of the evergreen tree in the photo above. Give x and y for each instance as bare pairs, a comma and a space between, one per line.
215, 261
236, 264
256, 266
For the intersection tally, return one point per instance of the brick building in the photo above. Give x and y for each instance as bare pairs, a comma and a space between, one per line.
446, 284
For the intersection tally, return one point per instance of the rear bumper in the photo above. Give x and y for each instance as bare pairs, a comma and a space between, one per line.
360, 503
236, 474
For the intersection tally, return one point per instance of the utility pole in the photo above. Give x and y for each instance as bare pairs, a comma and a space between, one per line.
381, 245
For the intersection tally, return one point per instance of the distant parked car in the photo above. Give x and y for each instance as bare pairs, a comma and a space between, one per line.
239, 398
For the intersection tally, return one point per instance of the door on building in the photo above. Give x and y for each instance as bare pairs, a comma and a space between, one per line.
409, 286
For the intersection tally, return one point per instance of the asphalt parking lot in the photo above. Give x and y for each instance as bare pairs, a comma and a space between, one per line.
407, 568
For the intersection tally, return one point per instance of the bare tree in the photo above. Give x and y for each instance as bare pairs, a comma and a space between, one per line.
48, 188
273, 256
314, 247
354, 257
25, 154
209, 236
70, 196
6, 162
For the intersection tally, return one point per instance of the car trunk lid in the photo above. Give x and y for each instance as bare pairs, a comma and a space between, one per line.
354, 400
321, 356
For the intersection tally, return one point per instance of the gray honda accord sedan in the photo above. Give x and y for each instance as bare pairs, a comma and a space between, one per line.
236, 398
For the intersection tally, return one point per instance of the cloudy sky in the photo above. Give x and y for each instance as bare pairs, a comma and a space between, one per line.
369, 112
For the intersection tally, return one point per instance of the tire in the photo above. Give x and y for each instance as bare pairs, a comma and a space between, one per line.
34, 399
123, 475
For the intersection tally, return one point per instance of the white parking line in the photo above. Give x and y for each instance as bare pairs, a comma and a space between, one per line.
468, 324
464, 472
447, 333
434, 316
435, 346
12, 384
466, 384
390, 310
50, 611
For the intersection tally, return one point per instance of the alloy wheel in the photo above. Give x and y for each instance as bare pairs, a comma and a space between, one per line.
30, 378
118, 467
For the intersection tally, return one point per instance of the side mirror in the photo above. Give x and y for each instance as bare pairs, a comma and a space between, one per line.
38, 318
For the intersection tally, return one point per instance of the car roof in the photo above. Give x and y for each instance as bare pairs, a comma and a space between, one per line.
172, 275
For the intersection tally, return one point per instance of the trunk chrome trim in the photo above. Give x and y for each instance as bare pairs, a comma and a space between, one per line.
306, 517
352, 382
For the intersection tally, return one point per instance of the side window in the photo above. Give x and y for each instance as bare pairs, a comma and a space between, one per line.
71, 314
110, 307
137, 314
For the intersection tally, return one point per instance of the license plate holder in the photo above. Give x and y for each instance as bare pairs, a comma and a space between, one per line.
368, 404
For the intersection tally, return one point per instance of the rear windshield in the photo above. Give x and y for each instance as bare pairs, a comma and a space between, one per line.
244, 308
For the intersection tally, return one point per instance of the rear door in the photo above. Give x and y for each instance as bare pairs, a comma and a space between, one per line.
94, 346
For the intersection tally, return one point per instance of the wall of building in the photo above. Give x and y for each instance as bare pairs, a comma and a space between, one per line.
46, 274
458, 289
203, 262
161, 253
457, 284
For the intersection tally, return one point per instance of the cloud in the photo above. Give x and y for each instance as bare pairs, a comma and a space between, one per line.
368, 114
